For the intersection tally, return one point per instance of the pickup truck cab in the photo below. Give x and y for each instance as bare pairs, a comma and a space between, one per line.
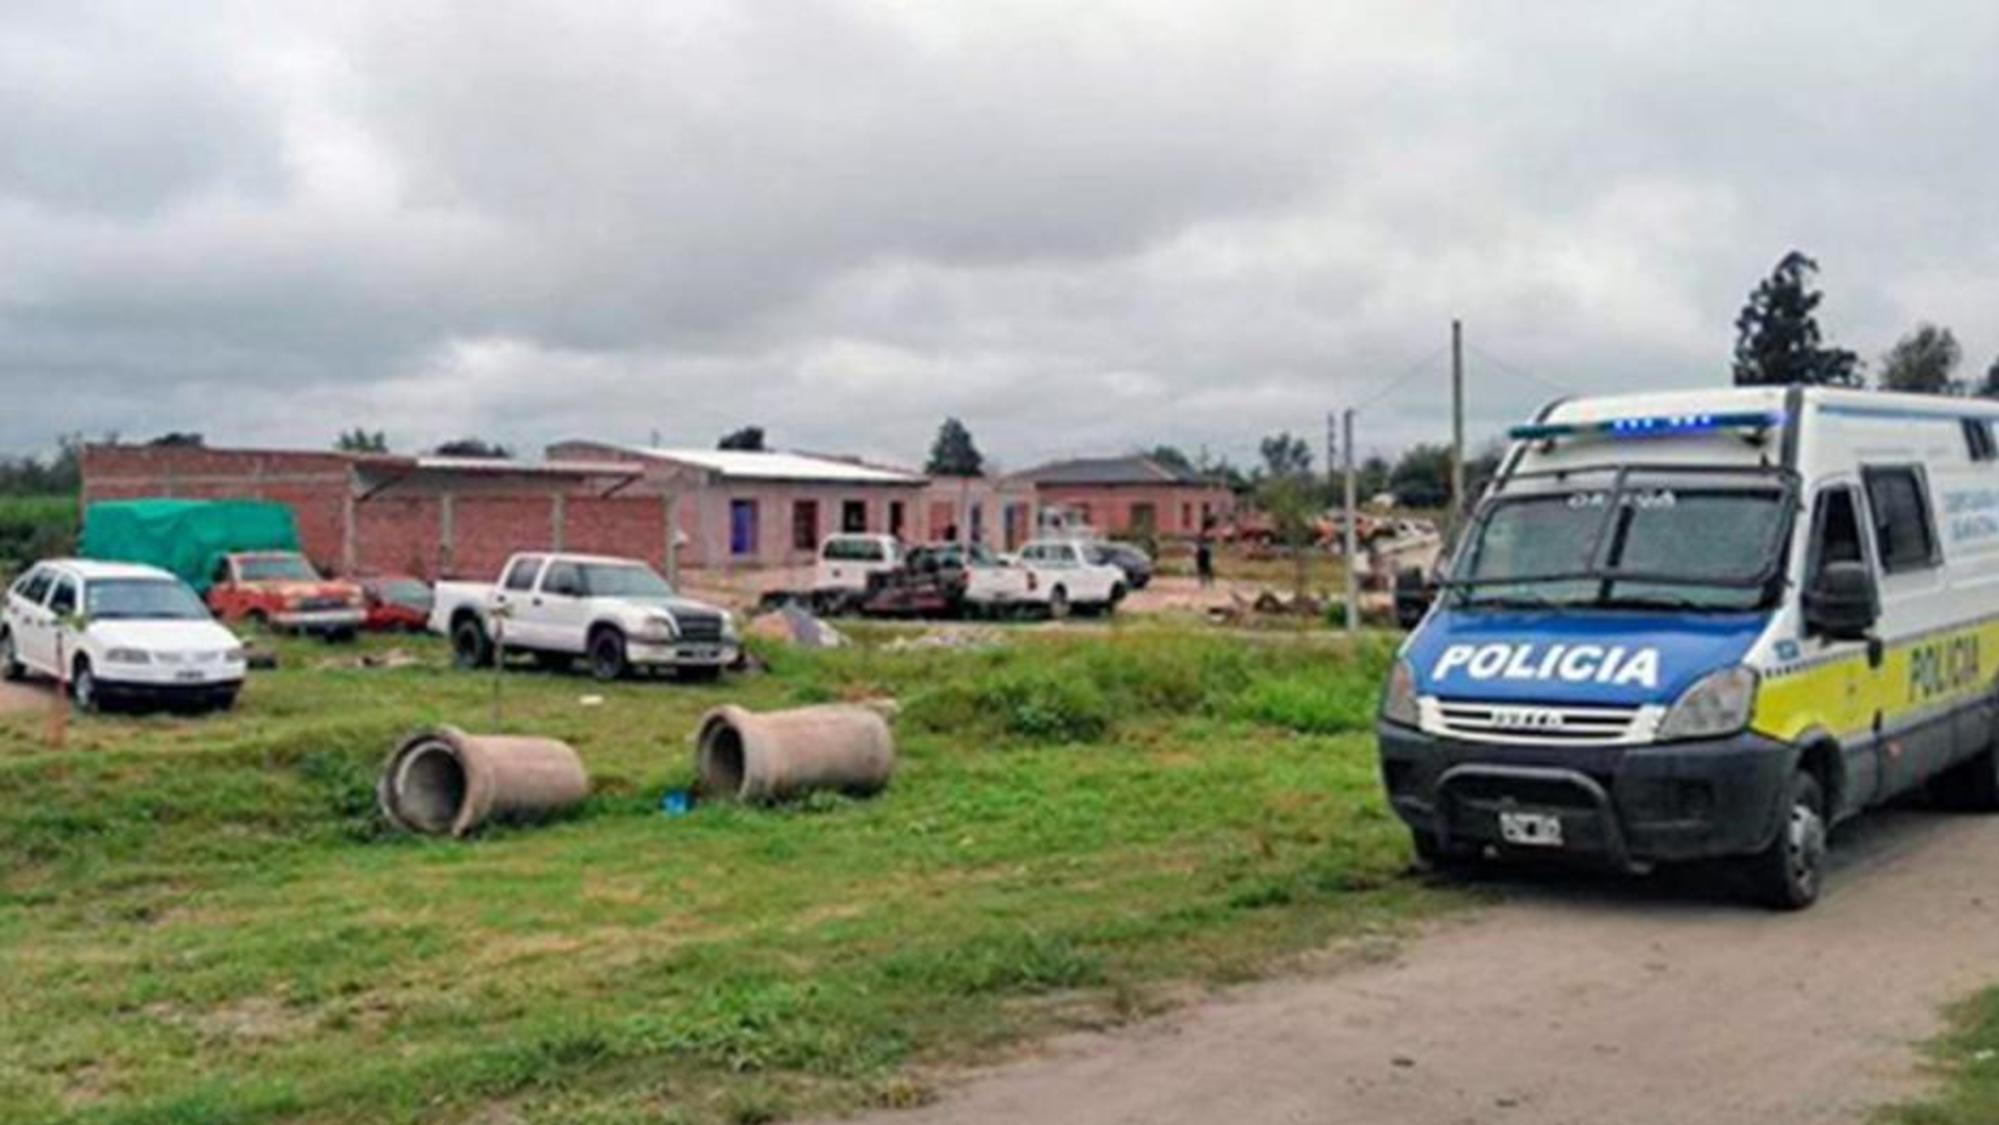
118, 633
846, 562
1065, 578
989, 584
281, 590
618, 613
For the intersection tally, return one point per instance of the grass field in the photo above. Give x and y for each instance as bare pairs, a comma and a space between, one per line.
1969, 1060
205, 921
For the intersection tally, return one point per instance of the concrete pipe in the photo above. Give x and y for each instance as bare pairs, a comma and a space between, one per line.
742, 756
446, 782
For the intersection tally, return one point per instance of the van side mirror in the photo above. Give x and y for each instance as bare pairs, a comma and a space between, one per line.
1841, 603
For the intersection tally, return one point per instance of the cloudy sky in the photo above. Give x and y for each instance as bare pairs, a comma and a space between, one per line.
1081, 225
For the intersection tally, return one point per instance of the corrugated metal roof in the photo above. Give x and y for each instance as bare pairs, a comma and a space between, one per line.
751, 465
1133, 469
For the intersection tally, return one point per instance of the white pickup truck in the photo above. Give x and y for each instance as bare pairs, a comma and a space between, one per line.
1064, 578
619, 614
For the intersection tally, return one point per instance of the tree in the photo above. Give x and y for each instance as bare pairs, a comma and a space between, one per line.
1924, 361
1171, 457
178, 439
1422, 476
1285, 456
1777, 337
474, 447
358, 440
953, 454
1990, 387
749, 439
1372, 478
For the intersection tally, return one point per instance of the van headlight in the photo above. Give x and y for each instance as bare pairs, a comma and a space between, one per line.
1718, 704
1398, 699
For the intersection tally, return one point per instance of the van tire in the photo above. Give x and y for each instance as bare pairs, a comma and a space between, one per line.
1431, 855
1971, 785
1789, 874
470, 646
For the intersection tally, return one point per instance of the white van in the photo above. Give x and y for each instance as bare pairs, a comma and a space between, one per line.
118, 633
1708, 624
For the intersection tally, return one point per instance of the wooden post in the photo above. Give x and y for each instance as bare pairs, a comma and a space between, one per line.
446, 516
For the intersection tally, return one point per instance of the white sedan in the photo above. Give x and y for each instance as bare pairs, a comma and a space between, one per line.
118, 633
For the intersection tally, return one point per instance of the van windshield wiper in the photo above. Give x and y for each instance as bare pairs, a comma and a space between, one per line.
1522, 600
1665, 601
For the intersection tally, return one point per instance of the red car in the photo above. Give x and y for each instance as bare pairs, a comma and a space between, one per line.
280, 589
396, 603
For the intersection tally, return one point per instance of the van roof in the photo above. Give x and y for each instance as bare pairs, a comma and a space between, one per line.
1648, 404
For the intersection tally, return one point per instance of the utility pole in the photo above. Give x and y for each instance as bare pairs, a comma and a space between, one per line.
1352, 520
1457, 423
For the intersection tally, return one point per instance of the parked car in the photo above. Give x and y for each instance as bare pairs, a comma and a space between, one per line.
949, 580
281, 590
1135, 563
992, 585
1066, 579
118, 633
617, 613
396, 603
846, 562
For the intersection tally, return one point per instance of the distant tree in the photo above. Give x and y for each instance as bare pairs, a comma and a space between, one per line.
358, 440
749, 439
1924, 361
474, 447
178, 438
1372, 477
953, 453
1990, 387
1171, 457
1777, 337
1285, 456
32, 476
1292, 501
1422, 476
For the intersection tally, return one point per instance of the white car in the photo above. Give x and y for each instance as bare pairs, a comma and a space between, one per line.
119, 633
618, 613
1064, 578
846, 562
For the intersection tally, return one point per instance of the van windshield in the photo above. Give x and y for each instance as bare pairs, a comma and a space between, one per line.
1700, 547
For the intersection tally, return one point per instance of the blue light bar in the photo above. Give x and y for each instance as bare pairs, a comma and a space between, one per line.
1660, 425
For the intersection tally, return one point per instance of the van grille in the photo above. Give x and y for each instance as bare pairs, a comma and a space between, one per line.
702, 627
1528, 724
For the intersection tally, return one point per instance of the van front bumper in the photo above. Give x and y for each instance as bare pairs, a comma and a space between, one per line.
1625, 805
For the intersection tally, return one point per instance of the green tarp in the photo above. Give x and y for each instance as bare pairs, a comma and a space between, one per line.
184, 536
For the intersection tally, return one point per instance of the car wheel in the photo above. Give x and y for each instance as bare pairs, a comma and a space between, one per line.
1058, 603
1789, 873
10, 661
470, 647
83, 688
339, 636
607, 655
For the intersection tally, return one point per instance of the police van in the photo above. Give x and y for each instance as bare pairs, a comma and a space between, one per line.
1702, 625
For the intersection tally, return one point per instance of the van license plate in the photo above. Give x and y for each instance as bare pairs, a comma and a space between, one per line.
1531, 830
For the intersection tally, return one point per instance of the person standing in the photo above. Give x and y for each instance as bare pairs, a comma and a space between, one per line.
1204, 560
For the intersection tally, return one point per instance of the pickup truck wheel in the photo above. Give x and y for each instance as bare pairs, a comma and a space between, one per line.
470, 647
10, 661
607, 655
1788, 874
1058, 603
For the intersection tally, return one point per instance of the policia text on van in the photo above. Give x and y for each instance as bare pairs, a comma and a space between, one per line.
1709, 624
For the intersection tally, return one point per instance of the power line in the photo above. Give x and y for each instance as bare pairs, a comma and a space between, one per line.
1520, 371
1395, 381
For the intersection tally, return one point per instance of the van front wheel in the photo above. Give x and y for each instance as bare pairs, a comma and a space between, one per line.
1789, 873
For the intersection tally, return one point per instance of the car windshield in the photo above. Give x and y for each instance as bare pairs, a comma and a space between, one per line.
1700, 548
275, 568
607, 580
407, 592
142, 598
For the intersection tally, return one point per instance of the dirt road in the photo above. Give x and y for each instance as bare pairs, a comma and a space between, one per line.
1577, 1000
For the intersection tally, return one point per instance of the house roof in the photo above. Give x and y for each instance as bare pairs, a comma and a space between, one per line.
1131, 469
766, 465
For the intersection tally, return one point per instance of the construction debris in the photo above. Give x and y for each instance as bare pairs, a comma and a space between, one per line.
794, 625
743, 756
956, 640
444, 782
393, 658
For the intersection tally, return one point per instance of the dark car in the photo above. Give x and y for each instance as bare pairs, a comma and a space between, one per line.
1136, 564
396, 603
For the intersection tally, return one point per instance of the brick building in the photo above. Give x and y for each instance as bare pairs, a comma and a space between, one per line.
1129, 496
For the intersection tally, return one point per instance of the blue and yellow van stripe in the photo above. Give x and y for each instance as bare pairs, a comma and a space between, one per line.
1921, 675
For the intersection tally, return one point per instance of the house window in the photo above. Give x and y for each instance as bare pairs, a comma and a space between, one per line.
805, 525
853, 515
742, 527
895, 518
1904, 538
1186, 515
978, 515
1144, 516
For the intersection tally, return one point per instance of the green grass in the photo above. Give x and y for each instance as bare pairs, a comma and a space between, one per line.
1968, 1058
205, 920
